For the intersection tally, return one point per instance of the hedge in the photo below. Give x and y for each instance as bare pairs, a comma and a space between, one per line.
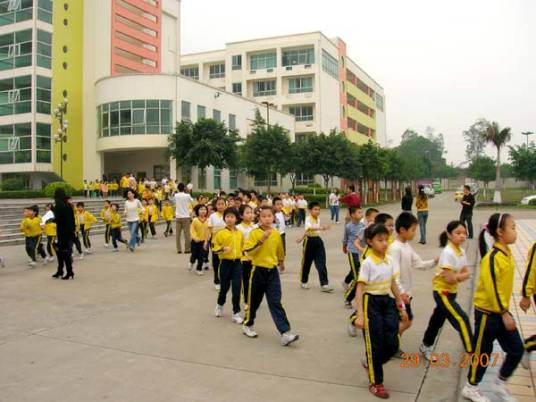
22, 194
14, 184
51, 188
532, 202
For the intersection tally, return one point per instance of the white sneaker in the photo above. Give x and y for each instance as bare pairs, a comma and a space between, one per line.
428, 352
344, 286
106, 245
206, 266
525, 360
115, 250
305, 286
287, 338
45, 261
472, 392
29, 260
51, 259
218, 311
88, 251
190, 266
500, 388
32, 264
81, 256
200, 273
217, 287
352, 330
348, 304
248, 331
326, 289
236, 318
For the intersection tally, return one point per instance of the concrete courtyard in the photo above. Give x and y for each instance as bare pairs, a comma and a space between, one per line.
140, 327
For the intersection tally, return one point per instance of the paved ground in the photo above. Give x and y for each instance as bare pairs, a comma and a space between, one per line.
139, 327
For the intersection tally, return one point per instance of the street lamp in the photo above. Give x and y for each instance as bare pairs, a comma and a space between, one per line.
527, 133
268, 104
63, 125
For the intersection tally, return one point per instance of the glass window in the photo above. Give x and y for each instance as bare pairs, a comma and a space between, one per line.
298, 56
216, 115
217, 178
233, 178
192, 72
232, 121
237, 88
12, 11
237, 62
135, 117
300, 85
330, 64
301, 113
185, 110
16, 50
16, 143
379, 102
217, 71
264, 88
263, 60
43, 94
16, 96
44, 10
44, 49
201, 112
263, 180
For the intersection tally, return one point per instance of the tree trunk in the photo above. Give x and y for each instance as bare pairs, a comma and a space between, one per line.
292, 178
326, 182
498, 183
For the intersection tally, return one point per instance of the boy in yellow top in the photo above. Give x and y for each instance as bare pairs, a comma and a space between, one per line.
265, 248
105, 215
96, 188
152, 217
421, 203
115, 226
228, 243
168, 214
86, 219
144, 219
31, 227
76, 238
529, 290
199, 238
493, 321
48, 224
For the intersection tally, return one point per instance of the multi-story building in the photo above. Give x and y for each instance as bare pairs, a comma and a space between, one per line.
307, 75
117, 62
25, 89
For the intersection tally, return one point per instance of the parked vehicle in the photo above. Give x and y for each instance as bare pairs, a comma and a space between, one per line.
438, 188
526, 200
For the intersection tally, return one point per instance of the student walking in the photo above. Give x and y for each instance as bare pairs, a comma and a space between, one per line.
468, 202
132, 208
48, 225
422, 213
86, 219
105, 215
183, 201
199, 236
31, 227
215, 224
115, 227
246, 226
528, 291
352, 247
152, 217
168, 214
334, 205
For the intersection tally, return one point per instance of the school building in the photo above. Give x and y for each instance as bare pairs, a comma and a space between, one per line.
113, 71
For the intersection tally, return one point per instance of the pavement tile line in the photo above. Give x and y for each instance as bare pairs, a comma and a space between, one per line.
219, 366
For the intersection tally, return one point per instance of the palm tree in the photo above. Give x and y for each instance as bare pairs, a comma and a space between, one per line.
493, 134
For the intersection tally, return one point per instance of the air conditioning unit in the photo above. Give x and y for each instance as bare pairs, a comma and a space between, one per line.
289, 68
270, 70
307, 66
309, 125
253, 71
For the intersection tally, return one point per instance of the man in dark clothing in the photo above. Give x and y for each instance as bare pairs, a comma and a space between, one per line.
468, 202
65, 222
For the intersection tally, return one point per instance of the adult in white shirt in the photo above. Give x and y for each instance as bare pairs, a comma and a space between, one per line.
183, 218
334, 205
132, 210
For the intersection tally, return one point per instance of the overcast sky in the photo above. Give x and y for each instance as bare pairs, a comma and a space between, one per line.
442, 64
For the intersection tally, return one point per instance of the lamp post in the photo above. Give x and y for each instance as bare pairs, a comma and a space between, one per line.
268, 104
527, 133
63, 125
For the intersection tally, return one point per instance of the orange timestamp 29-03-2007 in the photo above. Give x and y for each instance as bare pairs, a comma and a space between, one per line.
445, 360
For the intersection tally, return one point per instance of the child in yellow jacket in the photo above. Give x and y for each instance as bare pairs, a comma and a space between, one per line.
48, 224
528, 291
31, 227
144, 219
85, 219
115, 227
152, 217
105, 215
168, 214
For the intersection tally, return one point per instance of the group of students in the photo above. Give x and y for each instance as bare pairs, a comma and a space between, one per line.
381, 260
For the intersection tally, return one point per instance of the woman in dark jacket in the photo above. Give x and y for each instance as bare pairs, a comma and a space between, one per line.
64, 216
407, 200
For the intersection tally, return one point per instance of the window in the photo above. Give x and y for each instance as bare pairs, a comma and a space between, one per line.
16, 143
192, 72
201, 112
217, 178
379, 102
44, 49
298, 56
185, 110
264, 88
233, 178
216, 115
202, 178
217, 71
263, 180
16, 95
237, 88
304, 179
12, 11
301, 113
232, 121
135, 117
352, 123
44, 10
263, 60
43, 94
300, 85
43, 141
16, 50
237, 62
330, 64
160, 171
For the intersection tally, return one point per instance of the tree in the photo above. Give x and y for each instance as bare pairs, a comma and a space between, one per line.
482, 168
264, 150
473, 137
523, 160
295, 161
409, 134
498, 137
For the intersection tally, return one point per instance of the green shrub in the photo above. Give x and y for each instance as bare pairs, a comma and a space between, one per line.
532, 202
51, 188
21, 194
14, 184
